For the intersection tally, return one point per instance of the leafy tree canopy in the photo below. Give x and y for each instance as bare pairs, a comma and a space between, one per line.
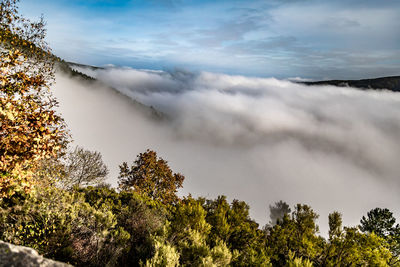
30, 129
151, 175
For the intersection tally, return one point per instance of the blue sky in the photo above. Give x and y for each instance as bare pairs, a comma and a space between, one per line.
325, 39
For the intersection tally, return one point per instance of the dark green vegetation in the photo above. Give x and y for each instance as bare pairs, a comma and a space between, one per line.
389, 83
103, 226
55, 200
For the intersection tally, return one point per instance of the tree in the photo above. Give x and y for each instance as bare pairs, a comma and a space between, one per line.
232, 224
295, 234
189, 232
84, 168
151, 176
141, 222
347, 246
165, 255
378, 221
382, 223
30, 129
335, 224
277, 211
353, 248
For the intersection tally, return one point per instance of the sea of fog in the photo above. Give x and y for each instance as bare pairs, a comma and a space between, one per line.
260, 140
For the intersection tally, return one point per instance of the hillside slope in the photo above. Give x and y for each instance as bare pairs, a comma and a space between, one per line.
67, 69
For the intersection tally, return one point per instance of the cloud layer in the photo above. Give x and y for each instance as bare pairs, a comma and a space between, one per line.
255, 139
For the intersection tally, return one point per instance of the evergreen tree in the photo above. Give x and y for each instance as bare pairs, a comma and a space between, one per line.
378, 221
382, 223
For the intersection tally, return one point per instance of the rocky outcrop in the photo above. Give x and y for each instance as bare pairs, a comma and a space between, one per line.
18, 256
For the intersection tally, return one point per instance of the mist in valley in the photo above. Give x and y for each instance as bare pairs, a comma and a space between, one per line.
255, 139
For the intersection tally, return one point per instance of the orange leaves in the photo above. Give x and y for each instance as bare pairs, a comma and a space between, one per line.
29, 129
151, 176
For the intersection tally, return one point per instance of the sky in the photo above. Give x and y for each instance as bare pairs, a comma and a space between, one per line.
316, 39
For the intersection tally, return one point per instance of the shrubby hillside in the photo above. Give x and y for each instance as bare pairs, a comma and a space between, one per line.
54, 198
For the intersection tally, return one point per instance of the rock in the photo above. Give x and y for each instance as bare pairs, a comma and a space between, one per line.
18, 256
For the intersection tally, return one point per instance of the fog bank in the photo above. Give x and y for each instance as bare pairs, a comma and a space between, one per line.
254, 139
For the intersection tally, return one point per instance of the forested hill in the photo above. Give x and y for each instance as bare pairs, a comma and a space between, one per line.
391, 83
73, 64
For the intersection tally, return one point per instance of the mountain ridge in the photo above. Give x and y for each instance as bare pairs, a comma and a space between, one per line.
391, 83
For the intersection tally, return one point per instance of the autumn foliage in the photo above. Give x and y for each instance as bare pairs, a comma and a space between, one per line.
151, 176
30, 129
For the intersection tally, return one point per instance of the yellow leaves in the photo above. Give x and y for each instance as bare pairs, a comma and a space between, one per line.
8, 112
29, 128
19, 180
10, 116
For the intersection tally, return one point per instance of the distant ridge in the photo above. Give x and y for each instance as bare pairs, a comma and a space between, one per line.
391, 83
73, 64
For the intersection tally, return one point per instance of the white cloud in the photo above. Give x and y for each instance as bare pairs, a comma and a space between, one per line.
316, 39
